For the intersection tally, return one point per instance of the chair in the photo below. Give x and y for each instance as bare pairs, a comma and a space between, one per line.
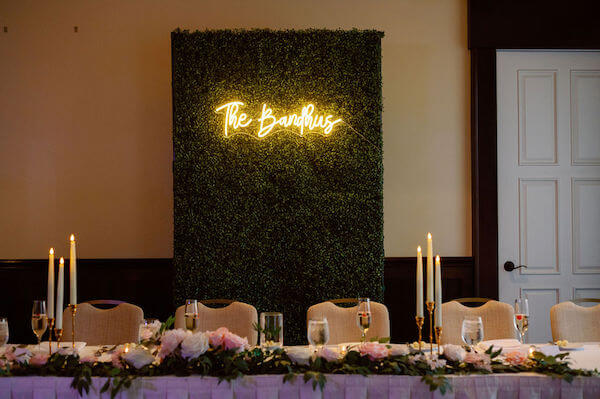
497, 318
343, 326
95, 326
575, 323
586, 300
238, 317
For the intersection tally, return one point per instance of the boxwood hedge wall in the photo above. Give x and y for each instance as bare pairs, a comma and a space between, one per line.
286, 221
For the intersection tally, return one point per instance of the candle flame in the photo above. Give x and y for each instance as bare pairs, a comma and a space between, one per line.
62, 260
72, 237
51, 251
437, 258
419, 248
429, 236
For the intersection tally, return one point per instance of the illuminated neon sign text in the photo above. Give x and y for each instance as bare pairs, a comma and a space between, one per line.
306, 121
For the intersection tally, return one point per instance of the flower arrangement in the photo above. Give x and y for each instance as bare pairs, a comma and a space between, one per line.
225, 355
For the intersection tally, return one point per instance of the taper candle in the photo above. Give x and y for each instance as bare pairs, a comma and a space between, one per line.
419, 282
73, 272
438, 292
60, 292
429, 268
50, 300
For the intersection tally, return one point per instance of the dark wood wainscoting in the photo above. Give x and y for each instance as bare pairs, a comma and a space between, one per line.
400, 291
149, 283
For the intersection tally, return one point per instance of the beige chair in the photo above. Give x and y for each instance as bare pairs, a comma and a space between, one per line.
497, 318
95, 326
238, 317
343, 326
575, 323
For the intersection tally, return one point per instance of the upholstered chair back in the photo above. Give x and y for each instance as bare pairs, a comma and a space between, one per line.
343, 324
497, 318
575, 323
238, 317
94, 326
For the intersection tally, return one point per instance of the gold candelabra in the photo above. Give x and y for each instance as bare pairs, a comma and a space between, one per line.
438, 336
50, 326
58, 334
420, 320
430, 308
73, 312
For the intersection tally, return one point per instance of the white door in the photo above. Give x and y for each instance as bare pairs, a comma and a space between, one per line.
548, 179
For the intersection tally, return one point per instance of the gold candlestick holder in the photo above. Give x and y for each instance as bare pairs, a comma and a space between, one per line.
430, 308
420, 320
58, 334
438, 336
73, 308
50, 327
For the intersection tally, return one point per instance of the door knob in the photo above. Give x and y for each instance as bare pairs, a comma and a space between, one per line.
509, 266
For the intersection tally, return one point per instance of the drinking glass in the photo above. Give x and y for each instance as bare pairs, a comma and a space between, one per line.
521, 317
39, 320
148, 329
318, 332
364, 317
472, 330
191, 314
271, 329
3, 331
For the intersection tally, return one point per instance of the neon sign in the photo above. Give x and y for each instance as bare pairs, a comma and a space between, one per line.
306, 121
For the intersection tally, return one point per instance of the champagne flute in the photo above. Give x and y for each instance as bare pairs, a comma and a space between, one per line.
3, 331
191, 314
472, 330
318, 332
521, 317
39, 319
364, 317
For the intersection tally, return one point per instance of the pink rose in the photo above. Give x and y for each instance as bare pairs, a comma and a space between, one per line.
217, 337
115, 358
170, 340
373, 350
39, 360
479, 360
232, 341
328, 354
2, 364
516, 358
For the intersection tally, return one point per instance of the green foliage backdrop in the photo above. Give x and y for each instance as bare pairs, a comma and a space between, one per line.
286, 221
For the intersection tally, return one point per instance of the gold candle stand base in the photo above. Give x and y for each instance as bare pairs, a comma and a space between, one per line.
420, 320
50, 327
430, 308
73, 308
58, 334
438, 336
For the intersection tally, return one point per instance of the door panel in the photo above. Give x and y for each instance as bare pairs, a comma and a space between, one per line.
548, 179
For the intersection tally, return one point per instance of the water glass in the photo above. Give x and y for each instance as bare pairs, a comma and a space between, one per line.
521, 317
148, 329
363, 317
3, 331
271, 330
39, 319
318, 332
191, 314
472, 330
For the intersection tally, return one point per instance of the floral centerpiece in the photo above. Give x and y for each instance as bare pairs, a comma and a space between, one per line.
225, 355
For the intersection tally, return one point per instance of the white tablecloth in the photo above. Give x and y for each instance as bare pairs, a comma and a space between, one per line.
503, 386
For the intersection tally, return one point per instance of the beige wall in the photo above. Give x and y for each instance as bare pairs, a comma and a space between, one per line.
85, 118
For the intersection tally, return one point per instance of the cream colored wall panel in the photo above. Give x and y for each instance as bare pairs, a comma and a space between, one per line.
537, 117
538, 225
586, 225
585, 123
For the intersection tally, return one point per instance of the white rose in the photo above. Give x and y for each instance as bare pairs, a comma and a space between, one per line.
399, 350
194, 345
456, 353
138, 357
331, 355
299, 356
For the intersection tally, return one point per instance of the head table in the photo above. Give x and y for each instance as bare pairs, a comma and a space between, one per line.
499, 386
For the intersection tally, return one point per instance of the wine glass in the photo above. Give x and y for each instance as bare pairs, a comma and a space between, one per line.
39, 320
521, 317
191, 314
318, 332
472, 330
3, 331
363, 317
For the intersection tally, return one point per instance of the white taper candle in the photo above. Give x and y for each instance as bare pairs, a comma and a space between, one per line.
60, 292
419, 282
429, 268
73, 272
50, 299
438, 292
